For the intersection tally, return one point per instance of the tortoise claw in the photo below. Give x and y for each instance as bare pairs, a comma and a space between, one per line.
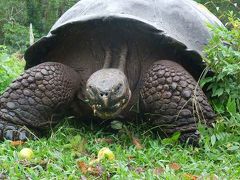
13, 132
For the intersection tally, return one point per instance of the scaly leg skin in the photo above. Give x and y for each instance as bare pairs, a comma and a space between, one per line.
35, 98
173, 101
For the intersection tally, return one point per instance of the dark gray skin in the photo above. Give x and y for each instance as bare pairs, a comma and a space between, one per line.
170, 98
114, 55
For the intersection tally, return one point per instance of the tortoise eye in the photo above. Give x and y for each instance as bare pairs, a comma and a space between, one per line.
118, 87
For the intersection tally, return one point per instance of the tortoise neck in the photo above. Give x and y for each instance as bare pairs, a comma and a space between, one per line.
108, 58
122, 58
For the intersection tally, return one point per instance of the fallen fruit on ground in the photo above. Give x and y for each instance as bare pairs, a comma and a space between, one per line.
26, 153
105, 152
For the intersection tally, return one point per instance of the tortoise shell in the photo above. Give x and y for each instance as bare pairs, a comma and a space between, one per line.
152, 29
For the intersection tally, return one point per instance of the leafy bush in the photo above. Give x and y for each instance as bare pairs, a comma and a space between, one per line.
16, 36
43, 14
16, 16
223, 58
10, 67
12, 11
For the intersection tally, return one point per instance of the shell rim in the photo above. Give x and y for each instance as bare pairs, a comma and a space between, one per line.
41, 46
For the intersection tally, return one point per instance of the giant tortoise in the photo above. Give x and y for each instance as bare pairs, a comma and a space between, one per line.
104, 57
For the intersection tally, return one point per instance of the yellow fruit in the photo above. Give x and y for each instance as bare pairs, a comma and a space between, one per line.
26, 153
106, 152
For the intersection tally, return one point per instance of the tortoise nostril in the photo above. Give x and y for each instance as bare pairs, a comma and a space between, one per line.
104, 94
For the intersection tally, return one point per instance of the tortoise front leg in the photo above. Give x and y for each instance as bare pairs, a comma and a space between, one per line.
35, 98
173, 101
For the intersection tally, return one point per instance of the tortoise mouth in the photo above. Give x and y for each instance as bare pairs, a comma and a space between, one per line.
107, 114
109, 111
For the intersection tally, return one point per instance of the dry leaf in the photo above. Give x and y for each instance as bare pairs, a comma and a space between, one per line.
158, 171
190, 177
137, 143
104, 140
139, 170
175, 166
17, 143
82, 166
95, 171
130, 157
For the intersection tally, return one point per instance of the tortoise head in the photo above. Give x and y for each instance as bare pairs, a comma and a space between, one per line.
108, 92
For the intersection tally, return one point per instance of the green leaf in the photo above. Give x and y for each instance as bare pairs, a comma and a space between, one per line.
231, 106
218, 92
205, 81
233, 148
213, 140
173, 139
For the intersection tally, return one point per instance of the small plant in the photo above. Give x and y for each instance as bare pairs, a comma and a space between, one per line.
10, 67
223, 58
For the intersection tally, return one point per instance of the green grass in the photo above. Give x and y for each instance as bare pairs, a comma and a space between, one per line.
58, 156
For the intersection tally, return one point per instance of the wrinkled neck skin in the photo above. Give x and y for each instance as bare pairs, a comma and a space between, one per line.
107, 90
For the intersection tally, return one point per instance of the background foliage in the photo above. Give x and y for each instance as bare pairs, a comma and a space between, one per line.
10, 67
16, 16
222, 7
